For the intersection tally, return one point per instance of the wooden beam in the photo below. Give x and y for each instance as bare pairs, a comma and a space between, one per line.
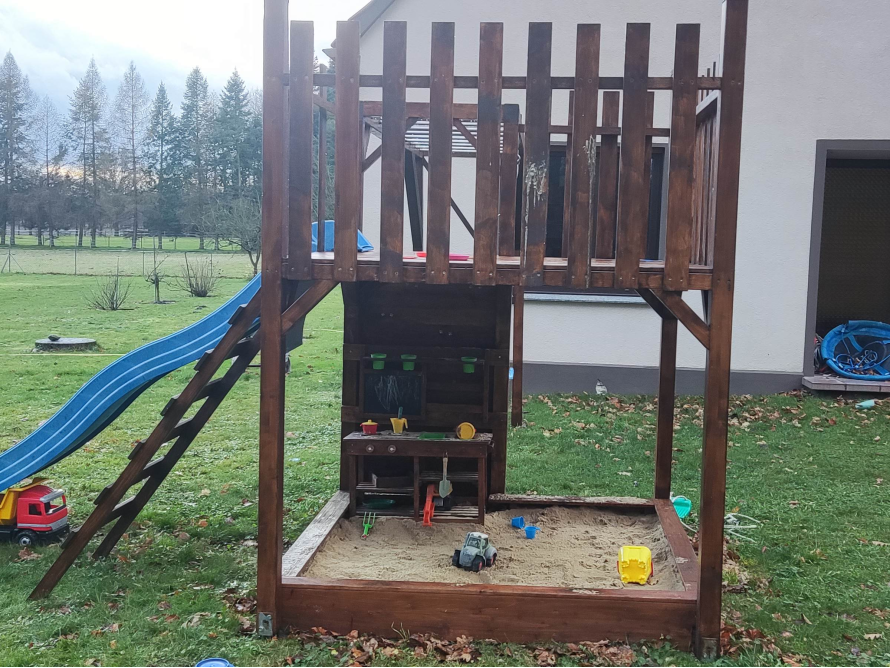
271, 439
392, 171
414, 191
583, 174
305, 303
633, 191
678, 235
518, 328
671, 305
536, 179
301, 553
322, 198
488, 149
607, 198
302, 66
439, 200
465, 133
667, 381
717, 370
508, 181
348, 154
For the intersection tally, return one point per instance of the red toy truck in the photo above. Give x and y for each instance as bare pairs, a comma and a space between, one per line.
28, 513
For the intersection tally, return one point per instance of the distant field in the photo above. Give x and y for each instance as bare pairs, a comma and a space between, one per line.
186, 243
65, 259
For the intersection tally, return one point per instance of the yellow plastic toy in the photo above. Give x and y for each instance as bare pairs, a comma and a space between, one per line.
635, 564
465, 431
399, 424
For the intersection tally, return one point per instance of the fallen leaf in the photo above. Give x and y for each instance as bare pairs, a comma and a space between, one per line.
205, 492
873, 636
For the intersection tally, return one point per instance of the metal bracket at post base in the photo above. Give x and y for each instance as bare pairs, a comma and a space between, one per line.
264, 625
706, 648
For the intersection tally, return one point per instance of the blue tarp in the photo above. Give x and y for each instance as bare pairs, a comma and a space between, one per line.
363, 244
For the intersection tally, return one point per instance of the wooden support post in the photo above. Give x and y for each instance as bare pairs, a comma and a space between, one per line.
488, 142
567, 182
302, 67
270, 505
518, 318
414, 191
322, 204
348, 153
536, 179
633, 191
716, 407
583, 171
439, 202
667, 376
392, 171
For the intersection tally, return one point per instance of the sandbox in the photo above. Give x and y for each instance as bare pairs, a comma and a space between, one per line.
575, 548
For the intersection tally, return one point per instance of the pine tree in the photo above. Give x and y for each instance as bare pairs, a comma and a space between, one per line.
231, 135
131, 110
164, 166
50, 153
15, 102
195, 124
87, 121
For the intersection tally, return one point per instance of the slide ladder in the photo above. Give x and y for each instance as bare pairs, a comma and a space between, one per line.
237, 343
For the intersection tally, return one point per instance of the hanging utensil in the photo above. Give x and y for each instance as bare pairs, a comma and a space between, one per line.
445, 486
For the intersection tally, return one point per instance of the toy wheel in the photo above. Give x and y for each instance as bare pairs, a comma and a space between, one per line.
26, 538
455, 558
477, 564
493, 559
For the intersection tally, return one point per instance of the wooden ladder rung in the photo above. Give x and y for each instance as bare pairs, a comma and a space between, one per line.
134, 451
237, 349
178, 430
118, 510
237, 314
205, 392
151, 468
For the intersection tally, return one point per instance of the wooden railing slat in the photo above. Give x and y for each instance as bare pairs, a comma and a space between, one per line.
633, 191
535, 181
509, 168
347, 152
392, 170
439, 199
302, 67
322, 198
678, 234
583, 152
488, 149
607, 197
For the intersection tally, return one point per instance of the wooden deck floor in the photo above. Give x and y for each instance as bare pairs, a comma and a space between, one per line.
508, 271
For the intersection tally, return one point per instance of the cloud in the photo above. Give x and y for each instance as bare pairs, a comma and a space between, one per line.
53, 40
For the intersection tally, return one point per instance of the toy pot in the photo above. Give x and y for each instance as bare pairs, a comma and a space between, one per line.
408, 362
465, 431
469, 364
518, 522
378, 360
369, 427
531, 531
398, 425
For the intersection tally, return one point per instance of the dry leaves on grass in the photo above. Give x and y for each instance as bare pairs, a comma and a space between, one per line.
735, 638
27, 554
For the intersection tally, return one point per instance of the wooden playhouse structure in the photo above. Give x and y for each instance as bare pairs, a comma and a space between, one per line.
449, 312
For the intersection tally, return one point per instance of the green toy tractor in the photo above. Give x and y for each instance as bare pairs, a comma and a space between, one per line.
476, 553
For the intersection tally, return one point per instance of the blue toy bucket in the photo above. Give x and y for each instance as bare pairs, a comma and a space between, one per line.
518, 522
213, 663
530, 532
682, 505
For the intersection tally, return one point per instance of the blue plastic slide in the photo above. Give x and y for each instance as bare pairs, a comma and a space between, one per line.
109, 392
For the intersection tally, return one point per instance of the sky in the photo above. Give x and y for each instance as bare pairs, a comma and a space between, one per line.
53, 40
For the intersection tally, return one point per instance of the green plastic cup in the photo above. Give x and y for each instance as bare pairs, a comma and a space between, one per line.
469, 364
408, 362
378, 360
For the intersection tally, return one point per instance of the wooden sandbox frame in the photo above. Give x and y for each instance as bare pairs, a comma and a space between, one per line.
601, 248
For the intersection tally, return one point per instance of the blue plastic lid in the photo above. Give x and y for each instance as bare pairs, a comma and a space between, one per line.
213, 663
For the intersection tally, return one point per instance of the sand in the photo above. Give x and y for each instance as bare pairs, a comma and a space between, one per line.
576, 548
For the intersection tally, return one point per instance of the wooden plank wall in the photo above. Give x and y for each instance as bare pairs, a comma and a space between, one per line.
347, 152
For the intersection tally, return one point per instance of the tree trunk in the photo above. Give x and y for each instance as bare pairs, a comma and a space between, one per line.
200, 242
12, 234
160, 242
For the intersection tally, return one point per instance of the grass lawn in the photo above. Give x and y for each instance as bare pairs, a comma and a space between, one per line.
814, 470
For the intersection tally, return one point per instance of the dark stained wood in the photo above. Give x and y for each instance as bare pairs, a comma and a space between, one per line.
302, 66
647, 170
270, 504
305, 303
535, 181
633, 191
498, 469
322, 199
664, 438
347, 152
439, 199
518, 325
459, 111
460, 127
681, 546
713, 486
392, 170
678, 235
488, 148
673, 301
625, 502
583, 172
567, 183
508, 179
607, 198
373, 157
518, 83
454, 206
